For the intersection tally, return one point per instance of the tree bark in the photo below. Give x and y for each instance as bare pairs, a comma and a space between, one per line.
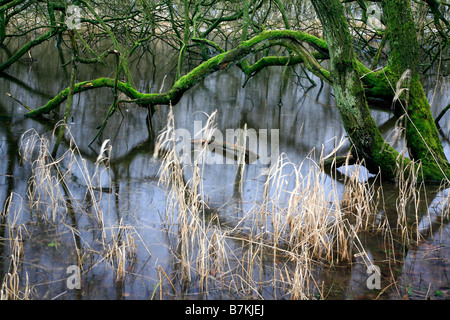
421, 133
350, 98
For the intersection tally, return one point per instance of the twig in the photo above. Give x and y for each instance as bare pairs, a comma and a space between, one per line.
161, 269
441, 114
15, 99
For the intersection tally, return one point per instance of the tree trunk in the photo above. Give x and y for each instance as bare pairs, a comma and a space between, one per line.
350, 99
421, 133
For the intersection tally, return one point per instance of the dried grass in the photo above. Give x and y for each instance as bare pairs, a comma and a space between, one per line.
298, 224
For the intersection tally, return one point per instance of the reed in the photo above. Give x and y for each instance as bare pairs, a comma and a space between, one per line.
307, 213
121, 251
52, 201
49, 193
186, 207
299, 223
44, 192
13, 287
361, 199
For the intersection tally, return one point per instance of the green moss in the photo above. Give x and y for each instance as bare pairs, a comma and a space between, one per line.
297, 35
326, 73
220, 62
421, 131
85, 86
377, 84
402, 36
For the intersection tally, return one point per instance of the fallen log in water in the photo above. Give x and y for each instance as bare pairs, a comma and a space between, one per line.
231, 149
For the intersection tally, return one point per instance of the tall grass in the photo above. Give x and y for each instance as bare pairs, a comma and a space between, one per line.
49, 194
199, 246
13, 287
56, 206
299, 223
362, 200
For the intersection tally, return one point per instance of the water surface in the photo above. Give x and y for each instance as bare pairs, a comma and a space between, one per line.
308, 123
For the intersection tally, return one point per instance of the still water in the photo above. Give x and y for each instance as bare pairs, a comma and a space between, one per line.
133, 204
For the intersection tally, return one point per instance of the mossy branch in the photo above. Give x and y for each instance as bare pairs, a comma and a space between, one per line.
288, 38
30, 45
220, 62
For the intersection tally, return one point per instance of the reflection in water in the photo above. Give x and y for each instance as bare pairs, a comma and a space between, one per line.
133, 205
426, 268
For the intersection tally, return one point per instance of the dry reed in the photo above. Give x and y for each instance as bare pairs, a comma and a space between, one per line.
52, 201
13, 287
298, 224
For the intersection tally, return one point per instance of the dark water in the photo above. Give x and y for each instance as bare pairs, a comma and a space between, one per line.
306, 119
